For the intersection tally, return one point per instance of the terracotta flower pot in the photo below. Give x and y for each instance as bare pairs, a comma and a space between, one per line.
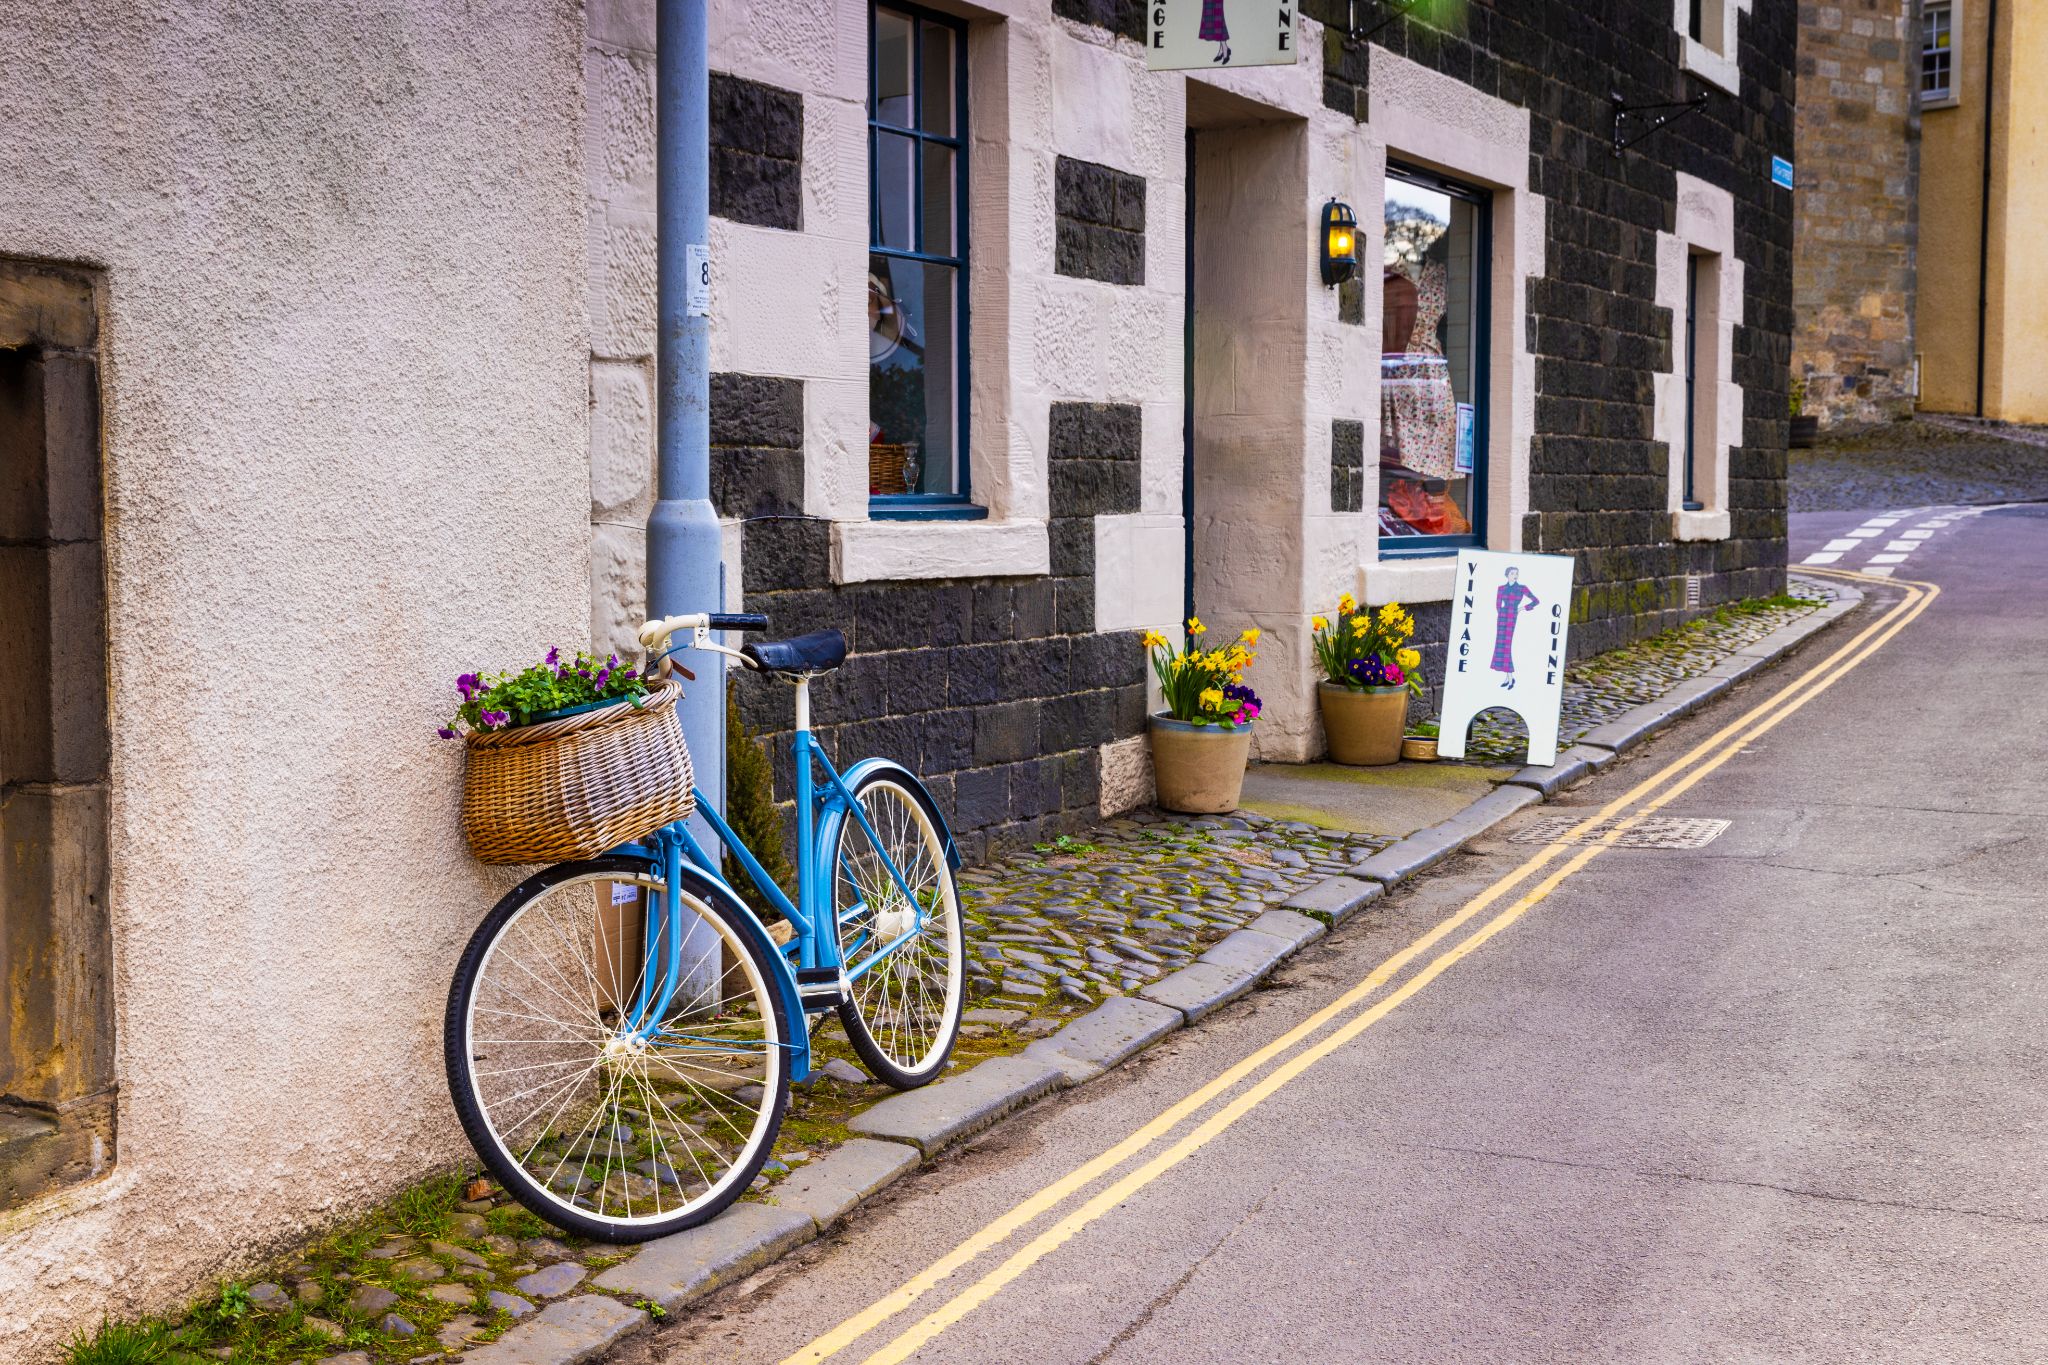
1364, 726
1198, 769
1419, 748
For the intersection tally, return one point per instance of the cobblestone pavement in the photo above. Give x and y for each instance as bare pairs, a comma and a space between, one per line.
1135, 898
1598, 689
1913, 464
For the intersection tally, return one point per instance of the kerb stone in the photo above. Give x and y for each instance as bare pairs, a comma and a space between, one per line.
1098, 1040
1199, 988
826, 1189
953, 1109
672, 1271
1428, 847
1335, 899
1249, 951
565, 1333
1297, 931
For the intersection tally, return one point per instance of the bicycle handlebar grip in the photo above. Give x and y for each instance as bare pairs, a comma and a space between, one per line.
738, 620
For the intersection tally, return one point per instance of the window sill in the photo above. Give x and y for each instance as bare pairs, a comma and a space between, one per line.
879, 550
1710, 66
1940, 102
1421, 578
1700, 525
924, 509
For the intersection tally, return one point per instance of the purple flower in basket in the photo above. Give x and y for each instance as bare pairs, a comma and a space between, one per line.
446, 733
604, 675
491, 720
468, 685
554, 656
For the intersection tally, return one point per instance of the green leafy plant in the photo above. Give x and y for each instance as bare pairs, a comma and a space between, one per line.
1424, 729
651, 1308
1205, 687
120, 1343
424, 1209
1797, 394
499, 701
1365, 648
750, 806
1067, 844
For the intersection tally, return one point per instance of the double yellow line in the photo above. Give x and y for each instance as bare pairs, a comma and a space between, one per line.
1647, 797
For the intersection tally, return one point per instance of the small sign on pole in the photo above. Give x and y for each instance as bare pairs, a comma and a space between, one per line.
1509, 613
1199, 35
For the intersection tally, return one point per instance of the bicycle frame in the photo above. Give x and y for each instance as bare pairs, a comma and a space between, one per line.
820, 810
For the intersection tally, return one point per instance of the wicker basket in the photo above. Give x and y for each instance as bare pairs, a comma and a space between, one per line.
573, 787
885, 467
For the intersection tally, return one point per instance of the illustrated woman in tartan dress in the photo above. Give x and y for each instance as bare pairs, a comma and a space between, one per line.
1215, 30
1510, 602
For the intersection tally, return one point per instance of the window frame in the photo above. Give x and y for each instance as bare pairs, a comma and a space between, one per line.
957, 505
1482, 198
1947, 97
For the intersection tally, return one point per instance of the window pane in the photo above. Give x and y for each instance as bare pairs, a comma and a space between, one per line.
913, 377
895, 209
1432, 335
939, 91
939, 200
892, 68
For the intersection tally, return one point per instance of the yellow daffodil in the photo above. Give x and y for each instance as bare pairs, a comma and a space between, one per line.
1213, 699
1250, 637
1407, 658
1318, 623
1346, 605
1390, 614
1154, 640
1195, 626
1359, 623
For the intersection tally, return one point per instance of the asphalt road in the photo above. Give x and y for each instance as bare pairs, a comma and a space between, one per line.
1776, 1098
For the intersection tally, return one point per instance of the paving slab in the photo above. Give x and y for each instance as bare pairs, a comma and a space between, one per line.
1106, 1035
941, 1114
1390, 801
827, 1188
1199, 988
1296, 930
674, 1270
1247, 950
1335, 899
574, 1330
1400, 861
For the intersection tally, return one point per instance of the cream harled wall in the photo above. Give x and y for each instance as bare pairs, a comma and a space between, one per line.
343, 382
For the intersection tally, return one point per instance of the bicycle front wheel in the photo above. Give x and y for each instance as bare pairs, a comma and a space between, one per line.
904, 953
620, 1066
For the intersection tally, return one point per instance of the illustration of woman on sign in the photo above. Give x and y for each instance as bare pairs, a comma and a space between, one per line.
1215, 29
1510, 602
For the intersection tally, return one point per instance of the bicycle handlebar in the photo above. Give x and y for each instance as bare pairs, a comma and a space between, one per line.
654, 632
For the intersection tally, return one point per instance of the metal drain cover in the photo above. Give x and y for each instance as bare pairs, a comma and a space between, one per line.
1656, 831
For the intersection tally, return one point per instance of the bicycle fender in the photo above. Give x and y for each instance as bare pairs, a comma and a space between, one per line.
903, 775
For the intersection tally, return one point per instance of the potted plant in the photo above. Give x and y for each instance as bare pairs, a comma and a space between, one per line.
1201, 741
1368, 673
566, 759
1805, 427
1419, 744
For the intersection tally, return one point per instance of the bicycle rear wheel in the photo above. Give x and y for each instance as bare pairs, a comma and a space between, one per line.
602, 1112
905, 956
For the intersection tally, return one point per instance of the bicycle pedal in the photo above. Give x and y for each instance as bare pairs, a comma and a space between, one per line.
822, 988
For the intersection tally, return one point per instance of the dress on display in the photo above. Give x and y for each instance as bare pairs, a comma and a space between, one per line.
1418, 407
1510, 604
1214, 29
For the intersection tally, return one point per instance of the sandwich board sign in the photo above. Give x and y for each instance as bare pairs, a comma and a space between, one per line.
1506, 649
1209, 35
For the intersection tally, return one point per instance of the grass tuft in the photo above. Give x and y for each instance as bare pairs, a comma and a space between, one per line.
120, 1343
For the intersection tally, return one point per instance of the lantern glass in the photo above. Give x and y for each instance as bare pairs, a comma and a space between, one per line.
1340, 243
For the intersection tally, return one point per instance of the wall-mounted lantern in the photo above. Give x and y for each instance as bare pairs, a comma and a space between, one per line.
1340, 242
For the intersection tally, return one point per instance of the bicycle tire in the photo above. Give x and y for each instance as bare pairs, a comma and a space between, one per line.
739, 934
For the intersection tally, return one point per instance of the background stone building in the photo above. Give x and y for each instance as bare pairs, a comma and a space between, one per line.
1855, 264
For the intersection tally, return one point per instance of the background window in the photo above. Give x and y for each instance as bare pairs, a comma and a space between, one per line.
1433, 364
917, 306
1937, 53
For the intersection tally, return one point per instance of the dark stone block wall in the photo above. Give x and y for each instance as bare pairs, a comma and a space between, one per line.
1598, 482
998, 691
1099, 222
757, 153
1347, 465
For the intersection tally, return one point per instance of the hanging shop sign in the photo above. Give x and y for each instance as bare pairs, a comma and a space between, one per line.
1506, 649
1208, 35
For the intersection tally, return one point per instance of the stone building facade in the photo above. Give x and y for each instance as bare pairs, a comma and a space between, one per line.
1001, 653
1855, 273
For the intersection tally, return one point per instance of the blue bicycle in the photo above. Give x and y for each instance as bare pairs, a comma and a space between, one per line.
622, 1033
